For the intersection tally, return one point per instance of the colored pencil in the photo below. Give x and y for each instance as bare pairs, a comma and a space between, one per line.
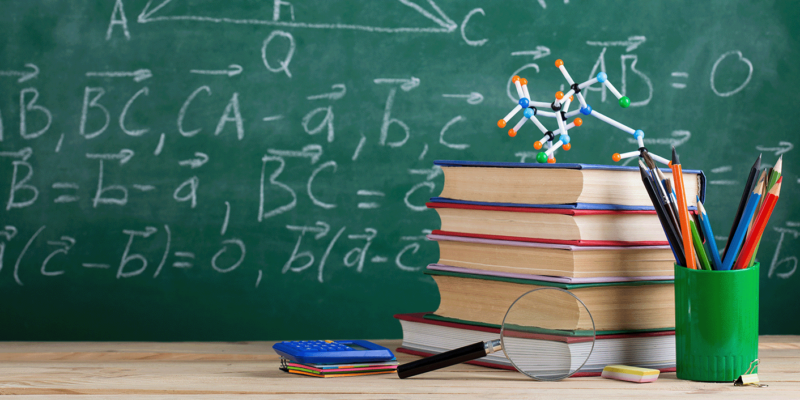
739, 233
673, 202
749, 248
659, 182
762, 181
669, 230
661, 194
683, 212
774, 175
670, 192
748, 188
698, 246
705, 226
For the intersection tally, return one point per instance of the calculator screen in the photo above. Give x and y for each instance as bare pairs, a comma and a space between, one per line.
356, 347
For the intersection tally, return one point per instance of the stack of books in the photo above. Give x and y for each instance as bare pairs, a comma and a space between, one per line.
508, 228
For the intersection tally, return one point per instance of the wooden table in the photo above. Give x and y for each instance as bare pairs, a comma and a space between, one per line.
220, 370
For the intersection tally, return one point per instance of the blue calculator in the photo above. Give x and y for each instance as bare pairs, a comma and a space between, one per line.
332, 351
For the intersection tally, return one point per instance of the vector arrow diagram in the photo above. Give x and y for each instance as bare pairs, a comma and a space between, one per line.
201, 159
312, 151
782, 148
138, 75
321, 229
406, 84
431, 173
472, 98
123, 156
233, 70
540, 52
24, 154
9, 232
631, 44
23, 75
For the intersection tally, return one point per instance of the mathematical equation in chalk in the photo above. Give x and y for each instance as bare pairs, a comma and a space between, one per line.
288, 186
22, 193
229, 256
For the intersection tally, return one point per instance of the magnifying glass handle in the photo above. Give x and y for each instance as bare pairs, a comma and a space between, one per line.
446, 359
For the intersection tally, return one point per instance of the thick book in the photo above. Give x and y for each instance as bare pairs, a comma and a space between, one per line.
576, 185
615, 307
551, 225
424, 337
513, 258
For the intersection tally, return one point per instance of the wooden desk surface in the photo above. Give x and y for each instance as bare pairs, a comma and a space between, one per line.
220, 370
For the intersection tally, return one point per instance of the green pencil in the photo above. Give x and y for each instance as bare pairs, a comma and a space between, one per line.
698, 246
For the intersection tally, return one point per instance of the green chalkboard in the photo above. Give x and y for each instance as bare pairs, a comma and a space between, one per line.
213, 170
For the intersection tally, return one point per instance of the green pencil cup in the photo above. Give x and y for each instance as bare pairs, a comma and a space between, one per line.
716, 323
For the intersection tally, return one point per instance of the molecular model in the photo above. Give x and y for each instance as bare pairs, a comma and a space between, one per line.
560, 111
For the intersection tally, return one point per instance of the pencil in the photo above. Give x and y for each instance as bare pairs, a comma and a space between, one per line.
739, 233
669, 230
748, 188
774, 175
670, 192
683, 212
665, 193
661, 195
673, 205
749, 248
762, 183
698, 245
705, 224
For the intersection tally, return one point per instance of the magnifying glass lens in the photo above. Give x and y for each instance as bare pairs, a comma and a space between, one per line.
548, 334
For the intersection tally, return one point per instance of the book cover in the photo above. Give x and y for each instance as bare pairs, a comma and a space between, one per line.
649, 349
545, 278
431, 319
596, 205
549, 283
549, 210
543, 245
616, 307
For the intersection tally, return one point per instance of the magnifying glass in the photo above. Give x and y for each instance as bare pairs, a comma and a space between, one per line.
547, 334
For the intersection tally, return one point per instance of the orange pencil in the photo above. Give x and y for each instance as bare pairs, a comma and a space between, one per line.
683, 212
758, 227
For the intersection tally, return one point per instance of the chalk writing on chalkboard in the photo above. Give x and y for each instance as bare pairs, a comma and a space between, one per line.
271, 156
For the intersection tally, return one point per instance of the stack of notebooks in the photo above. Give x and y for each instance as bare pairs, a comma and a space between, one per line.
338, 370
507, 228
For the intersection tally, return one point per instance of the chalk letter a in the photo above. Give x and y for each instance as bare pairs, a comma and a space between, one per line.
121, 20
232, 107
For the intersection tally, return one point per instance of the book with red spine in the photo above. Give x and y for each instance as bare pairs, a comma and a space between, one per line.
579, 227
